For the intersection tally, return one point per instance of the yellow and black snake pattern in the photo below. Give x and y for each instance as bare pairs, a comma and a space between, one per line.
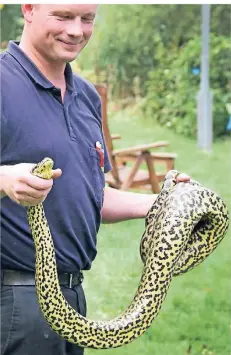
184, 225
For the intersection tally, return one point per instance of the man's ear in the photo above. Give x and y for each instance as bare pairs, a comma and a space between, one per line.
27, 11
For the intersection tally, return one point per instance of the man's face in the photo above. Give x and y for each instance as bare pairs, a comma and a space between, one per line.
59, 32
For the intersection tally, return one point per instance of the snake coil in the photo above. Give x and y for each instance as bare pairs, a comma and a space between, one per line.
184, 225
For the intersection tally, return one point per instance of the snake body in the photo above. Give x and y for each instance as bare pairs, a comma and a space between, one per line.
184, 225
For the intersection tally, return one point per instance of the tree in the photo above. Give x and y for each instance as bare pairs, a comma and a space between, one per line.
132, 40
172, 88
11, 22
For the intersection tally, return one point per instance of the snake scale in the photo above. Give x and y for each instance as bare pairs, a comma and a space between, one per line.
184, 225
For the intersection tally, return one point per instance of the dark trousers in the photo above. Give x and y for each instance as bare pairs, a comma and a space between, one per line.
24, 330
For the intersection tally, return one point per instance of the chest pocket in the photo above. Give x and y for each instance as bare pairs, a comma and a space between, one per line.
97, 176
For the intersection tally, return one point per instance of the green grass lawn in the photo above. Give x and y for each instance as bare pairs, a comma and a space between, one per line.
195, 317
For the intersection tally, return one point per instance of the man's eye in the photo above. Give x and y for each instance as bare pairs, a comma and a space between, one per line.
87, 20
63, 17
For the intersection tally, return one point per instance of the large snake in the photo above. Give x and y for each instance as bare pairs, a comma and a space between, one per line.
184, 225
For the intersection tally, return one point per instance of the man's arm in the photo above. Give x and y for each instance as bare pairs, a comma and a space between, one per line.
123, 205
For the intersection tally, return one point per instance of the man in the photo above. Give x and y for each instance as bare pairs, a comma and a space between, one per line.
48, 111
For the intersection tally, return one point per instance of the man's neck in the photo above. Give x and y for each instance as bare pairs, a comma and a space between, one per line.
54, 72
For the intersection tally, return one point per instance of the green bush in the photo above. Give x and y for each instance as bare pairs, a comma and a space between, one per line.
173, 87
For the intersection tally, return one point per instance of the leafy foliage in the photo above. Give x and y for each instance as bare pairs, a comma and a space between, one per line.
127, 38
173, 86
131, 40
11, 22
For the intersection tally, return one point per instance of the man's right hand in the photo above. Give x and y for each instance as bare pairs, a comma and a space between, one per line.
21, 186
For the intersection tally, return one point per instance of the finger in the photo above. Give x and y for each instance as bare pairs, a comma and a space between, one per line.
33, 193
183, 178
57, 173
26, 200
38, 183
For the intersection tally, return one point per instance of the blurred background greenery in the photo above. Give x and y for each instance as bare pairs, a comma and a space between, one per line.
149, 56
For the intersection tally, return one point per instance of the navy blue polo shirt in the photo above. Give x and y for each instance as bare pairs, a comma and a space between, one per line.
36, 124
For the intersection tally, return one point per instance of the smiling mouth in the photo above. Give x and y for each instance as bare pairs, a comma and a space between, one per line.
69, 43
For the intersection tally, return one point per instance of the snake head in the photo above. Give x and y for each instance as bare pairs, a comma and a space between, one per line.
44, 169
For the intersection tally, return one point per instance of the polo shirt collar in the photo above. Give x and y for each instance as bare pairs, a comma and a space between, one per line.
33, 70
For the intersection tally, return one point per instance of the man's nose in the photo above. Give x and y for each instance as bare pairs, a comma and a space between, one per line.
75, 28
